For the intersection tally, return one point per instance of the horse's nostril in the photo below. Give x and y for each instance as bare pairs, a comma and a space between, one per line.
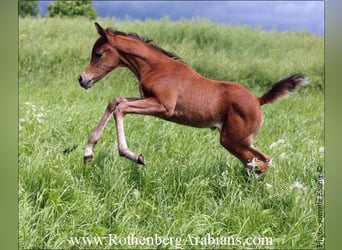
80, 79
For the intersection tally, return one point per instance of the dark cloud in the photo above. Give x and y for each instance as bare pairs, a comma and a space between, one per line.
279, 15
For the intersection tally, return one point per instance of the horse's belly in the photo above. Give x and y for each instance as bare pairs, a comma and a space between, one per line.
196, 118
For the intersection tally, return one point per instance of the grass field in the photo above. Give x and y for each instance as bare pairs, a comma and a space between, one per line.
192, 193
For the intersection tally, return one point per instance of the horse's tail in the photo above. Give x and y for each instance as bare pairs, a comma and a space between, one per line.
283, 88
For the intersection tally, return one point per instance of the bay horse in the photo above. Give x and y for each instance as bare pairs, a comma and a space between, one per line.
170, 89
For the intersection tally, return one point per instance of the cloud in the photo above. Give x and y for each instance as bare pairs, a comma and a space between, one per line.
279, 15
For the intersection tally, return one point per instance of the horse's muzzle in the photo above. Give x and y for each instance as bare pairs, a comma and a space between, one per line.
85, 83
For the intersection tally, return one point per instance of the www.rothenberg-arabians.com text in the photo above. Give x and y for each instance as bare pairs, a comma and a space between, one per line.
156, 240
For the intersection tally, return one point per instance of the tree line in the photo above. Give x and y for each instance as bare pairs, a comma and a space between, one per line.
58, 8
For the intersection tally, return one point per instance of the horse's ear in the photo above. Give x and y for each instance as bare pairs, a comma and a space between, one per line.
100, 30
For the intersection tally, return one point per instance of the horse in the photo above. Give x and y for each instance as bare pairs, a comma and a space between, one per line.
171, 90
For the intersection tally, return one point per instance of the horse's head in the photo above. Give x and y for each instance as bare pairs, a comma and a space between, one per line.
104, 58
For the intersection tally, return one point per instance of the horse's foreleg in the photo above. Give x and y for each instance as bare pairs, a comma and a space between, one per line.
95, 135
122, 144
148, 106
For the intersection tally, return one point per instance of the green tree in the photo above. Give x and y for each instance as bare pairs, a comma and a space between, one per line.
72, 8
28, 8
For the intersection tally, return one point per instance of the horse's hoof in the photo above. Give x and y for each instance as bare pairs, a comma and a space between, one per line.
257, 167
87, 159
141, 160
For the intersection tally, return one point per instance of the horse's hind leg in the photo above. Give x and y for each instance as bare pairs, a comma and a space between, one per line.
260, 163
253, 159
240, 145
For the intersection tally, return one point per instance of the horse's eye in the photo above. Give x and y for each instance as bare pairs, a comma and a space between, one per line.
98, 54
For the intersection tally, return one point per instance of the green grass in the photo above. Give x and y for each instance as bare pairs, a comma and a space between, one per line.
191, 186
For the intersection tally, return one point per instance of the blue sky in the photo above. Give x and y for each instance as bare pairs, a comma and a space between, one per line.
279, 15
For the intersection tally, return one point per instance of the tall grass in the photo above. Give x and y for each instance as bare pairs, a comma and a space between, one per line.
191, 187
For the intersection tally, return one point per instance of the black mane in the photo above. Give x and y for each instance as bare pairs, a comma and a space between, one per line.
147, 41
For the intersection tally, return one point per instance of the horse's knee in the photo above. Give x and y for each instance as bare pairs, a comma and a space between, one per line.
111, 106
114, 103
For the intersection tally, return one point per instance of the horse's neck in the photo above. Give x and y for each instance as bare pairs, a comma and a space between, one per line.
135, 64
132, 47
136, 55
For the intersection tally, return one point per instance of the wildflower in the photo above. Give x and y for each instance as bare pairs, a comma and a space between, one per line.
22, 36
39, 115
224, 179
298, 185
270, 163
40, 121
277, 143
268, 185
283, 155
